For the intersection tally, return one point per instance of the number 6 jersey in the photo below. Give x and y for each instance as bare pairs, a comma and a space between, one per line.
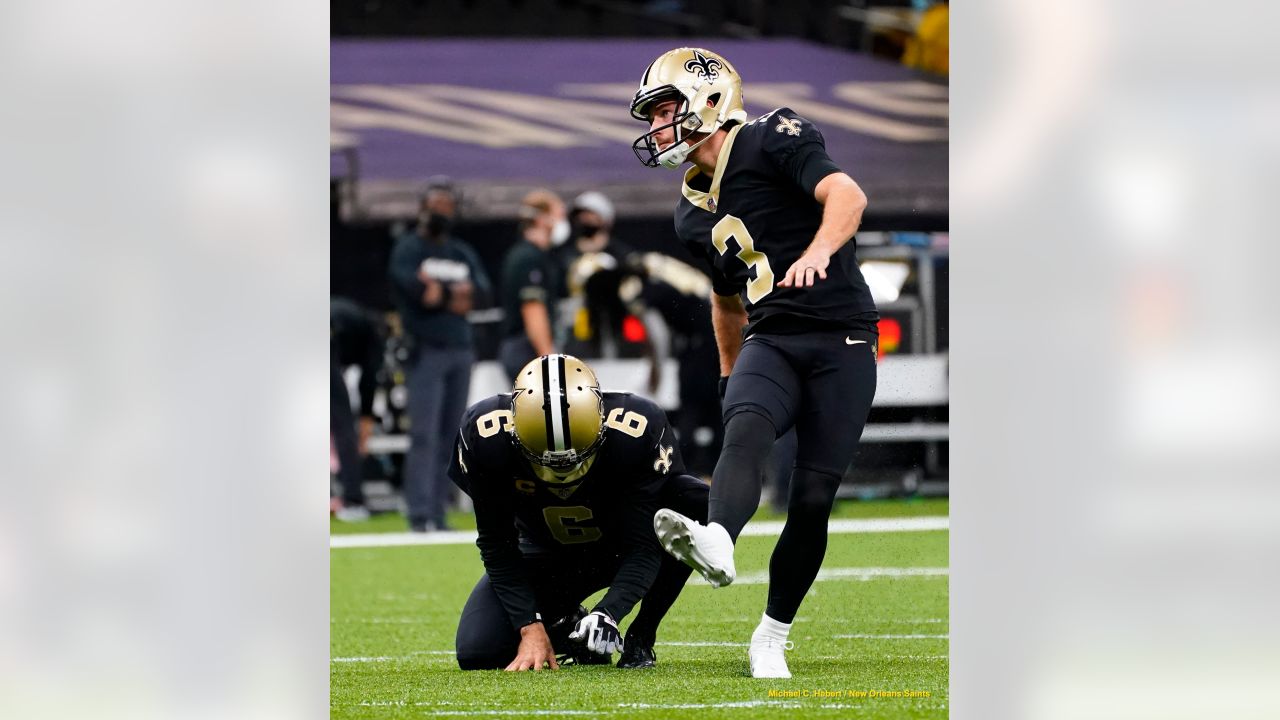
755, 218
606, 507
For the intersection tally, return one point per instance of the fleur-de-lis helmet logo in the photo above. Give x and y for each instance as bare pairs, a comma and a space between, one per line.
703, 66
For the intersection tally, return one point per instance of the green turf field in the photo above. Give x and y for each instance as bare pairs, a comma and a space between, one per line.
394, 612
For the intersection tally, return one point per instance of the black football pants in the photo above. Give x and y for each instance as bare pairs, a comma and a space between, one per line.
822, 383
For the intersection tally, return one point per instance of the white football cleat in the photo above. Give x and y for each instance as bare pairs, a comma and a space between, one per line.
705, 548
767, 660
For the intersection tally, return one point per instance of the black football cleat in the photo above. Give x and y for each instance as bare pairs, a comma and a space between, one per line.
637, 654
576, 653
583, 657
560, 628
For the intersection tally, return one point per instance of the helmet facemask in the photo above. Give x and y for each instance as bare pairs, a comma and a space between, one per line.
684, 123
708, 93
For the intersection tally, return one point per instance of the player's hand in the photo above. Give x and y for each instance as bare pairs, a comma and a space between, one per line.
461, 298
599, 633
433, 295
811, 267
535, 650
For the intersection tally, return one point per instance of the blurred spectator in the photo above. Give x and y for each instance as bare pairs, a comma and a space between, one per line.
679, 294
436, 279
930, 47
530, 281
592, 265
355, 338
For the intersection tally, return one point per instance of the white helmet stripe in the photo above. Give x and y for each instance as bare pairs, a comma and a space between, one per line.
555, 400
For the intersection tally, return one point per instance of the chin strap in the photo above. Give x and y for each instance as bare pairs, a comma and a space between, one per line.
677, 157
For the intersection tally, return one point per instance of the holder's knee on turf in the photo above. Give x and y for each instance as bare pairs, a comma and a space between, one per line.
483, 662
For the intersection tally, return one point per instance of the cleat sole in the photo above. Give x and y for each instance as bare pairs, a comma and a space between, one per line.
676, 539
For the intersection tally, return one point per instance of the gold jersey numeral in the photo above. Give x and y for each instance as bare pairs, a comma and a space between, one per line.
492, 423
731, 227
565, 524
633, 423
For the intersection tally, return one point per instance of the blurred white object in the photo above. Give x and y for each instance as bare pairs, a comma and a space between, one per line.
596, 202
352, 514
885, 279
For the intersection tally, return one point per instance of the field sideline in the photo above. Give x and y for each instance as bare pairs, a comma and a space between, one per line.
871, 640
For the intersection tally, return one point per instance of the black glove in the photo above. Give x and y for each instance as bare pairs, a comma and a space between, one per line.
724, 385
599, 632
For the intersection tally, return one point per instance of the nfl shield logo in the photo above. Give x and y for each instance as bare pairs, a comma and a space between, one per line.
711, 204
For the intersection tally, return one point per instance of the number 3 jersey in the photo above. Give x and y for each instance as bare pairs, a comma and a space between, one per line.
755, 217
607, 509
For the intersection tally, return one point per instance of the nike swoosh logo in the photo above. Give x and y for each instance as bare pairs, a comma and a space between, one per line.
847, 341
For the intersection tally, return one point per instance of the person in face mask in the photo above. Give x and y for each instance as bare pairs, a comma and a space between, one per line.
592, 266
436, 279
531, 281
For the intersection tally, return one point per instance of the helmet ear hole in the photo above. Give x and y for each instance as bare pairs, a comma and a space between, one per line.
713, 100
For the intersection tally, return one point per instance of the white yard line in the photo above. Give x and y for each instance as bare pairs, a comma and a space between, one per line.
623, 708
702, 644
451, 537
867, 636
887, 657
391, 658
761, 577
860, 525
704, 706
481, 713
764, 529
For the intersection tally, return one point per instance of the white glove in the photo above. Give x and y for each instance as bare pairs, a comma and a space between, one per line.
599, 633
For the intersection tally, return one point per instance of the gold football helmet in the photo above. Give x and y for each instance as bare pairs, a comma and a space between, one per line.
558, 415
709, 92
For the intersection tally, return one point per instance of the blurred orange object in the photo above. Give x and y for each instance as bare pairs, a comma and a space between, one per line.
890, 335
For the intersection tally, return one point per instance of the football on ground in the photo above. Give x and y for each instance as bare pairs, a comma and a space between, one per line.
871, 640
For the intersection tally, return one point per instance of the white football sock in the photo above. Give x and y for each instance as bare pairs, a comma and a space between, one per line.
771, 628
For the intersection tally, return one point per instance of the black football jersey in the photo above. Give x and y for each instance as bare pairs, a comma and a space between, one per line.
609, 509
755, 218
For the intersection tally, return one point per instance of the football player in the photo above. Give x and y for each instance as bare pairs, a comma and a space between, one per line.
565, 480
772, 216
